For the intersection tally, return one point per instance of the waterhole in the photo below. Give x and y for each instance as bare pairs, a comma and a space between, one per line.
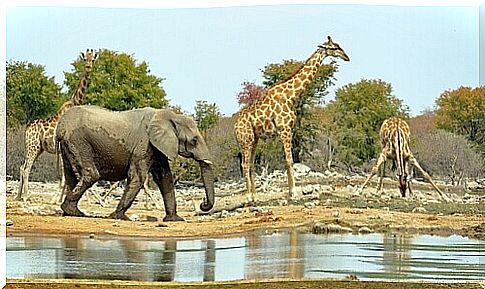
289, 254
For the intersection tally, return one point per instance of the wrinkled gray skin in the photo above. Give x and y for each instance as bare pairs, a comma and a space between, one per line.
98, 144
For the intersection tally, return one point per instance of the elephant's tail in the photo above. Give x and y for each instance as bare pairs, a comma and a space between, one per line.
57, 148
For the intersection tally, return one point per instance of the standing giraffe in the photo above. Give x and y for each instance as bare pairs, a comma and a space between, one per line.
39, 135
273, 115
394, 135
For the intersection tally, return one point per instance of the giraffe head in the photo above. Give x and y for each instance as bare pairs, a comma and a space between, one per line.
333, 49
89, 57
403, 185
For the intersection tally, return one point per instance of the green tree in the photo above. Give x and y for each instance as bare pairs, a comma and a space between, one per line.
462, 111
31, 94
306, 128
356, 115
119, 82
206, 115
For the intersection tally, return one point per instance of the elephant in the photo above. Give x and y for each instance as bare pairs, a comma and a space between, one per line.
99, 144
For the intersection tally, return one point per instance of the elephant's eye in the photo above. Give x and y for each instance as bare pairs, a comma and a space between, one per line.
195, 140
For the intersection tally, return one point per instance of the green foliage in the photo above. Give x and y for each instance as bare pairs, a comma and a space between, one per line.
206, 116
462, 111
306, 128
30, 93
355, 117
118, 82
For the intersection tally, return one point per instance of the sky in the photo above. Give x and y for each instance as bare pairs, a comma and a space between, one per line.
207, 53
482, 44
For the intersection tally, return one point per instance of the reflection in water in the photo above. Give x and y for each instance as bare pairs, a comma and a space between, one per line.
396, 253
281, 255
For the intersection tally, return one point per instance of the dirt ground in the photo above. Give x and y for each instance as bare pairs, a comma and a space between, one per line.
40, 214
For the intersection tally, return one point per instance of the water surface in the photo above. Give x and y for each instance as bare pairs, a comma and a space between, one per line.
279, 255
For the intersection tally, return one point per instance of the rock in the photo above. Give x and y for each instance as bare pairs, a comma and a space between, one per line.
91, 236
322, 228
419, 210
224, 214
365, 230
151, 219
310, 205
115, 224
8, 223
160, 225
283, 202
256, 209
135, 217
301, 169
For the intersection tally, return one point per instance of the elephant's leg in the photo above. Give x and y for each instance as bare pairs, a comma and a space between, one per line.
163, 178
70, 208
87, 176
137, 175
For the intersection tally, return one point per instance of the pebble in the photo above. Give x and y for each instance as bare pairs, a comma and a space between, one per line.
419, 210
322, 228
151, 219
91, 236
365, 230
135, 217
8, 223
116, 224
310, 205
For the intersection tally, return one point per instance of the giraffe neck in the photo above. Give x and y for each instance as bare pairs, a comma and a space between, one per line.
78, 97
297, 84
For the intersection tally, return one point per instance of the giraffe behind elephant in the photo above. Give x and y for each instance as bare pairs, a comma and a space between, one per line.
39, 135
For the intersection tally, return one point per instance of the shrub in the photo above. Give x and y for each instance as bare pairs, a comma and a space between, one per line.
44, 168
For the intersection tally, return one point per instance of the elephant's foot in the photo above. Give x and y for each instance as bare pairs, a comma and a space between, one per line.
119, 215
71, 210
173, 218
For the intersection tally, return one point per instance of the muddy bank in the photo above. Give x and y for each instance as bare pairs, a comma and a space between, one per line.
324, 200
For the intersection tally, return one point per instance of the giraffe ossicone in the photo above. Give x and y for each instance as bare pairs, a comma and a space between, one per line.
274, 114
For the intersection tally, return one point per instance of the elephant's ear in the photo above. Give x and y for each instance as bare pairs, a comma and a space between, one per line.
161, 133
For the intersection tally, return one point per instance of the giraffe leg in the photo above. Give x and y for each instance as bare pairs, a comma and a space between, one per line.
246, 165
375, 169
33, 152
408, 178
252, 170
247, 144
286, 136
415, 163
382, 173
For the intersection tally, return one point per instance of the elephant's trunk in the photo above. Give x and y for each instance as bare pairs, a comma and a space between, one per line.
208, 179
